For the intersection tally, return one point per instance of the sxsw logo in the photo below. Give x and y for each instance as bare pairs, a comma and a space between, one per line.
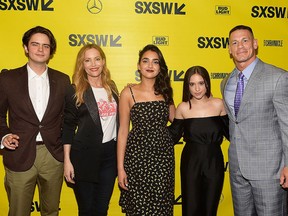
101, 40
212, 42
269, 12
160, 40
30, 5
143, 7
222, 10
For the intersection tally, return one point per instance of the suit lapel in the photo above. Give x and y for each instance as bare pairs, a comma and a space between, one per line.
23, 83
115, 96
53, 91
92, 106
224, 85
251, 85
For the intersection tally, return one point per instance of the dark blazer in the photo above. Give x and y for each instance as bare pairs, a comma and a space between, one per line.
23, 121
82, 129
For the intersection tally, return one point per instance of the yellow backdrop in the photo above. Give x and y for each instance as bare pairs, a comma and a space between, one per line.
188, 33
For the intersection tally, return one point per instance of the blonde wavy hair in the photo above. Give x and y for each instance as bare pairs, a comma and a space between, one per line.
80, 79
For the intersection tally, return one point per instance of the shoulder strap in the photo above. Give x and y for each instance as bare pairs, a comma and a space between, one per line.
132, 94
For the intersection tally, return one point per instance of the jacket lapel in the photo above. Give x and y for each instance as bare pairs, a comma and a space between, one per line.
53, 91
251, 85
92, 106
23, 83
230, 112
115, 96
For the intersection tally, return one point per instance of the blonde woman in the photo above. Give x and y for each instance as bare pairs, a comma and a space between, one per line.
90, 132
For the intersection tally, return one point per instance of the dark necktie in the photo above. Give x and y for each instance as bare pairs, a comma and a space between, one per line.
239, 92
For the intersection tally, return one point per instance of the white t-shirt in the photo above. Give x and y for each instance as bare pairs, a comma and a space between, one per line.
107, 113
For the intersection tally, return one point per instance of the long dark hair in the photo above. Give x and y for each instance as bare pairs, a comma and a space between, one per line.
186, 95
162, 85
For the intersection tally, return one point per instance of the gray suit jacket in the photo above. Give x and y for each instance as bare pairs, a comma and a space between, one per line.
259, 135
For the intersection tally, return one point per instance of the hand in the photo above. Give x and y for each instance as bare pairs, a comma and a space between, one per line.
69, 171
11, 141
284, 177
122, 180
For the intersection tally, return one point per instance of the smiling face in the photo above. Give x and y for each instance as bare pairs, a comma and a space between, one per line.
242, 47
93, 63
197, 87
38, 49
149, 65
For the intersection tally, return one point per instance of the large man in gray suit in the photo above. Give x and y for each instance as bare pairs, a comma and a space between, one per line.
258, 153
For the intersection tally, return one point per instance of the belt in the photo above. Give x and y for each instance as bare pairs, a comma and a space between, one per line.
39, 143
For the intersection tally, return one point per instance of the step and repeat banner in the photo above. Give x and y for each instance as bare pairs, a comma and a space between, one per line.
188, 33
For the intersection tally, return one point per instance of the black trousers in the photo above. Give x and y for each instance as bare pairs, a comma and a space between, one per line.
93, 198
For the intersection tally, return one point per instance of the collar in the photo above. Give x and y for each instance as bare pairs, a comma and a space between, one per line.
32, 74
249, 69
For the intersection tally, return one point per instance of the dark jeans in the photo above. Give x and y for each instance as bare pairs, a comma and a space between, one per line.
93, 198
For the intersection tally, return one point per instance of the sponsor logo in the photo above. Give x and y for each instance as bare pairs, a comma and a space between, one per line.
101, 40
143, 7
160, 40
94, 6
30, 5
222, 10
269, 12
273, 43
218, 75
212, 42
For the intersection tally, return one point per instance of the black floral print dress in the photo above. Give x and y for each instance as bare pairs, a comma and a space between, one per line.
149, 162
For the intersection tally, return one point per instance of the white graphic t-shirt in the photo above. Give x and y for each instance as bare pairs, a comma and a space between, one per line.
107, 113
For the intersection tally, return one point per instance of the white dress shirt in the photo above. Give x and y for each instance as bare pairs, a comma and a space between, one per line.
39, 92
